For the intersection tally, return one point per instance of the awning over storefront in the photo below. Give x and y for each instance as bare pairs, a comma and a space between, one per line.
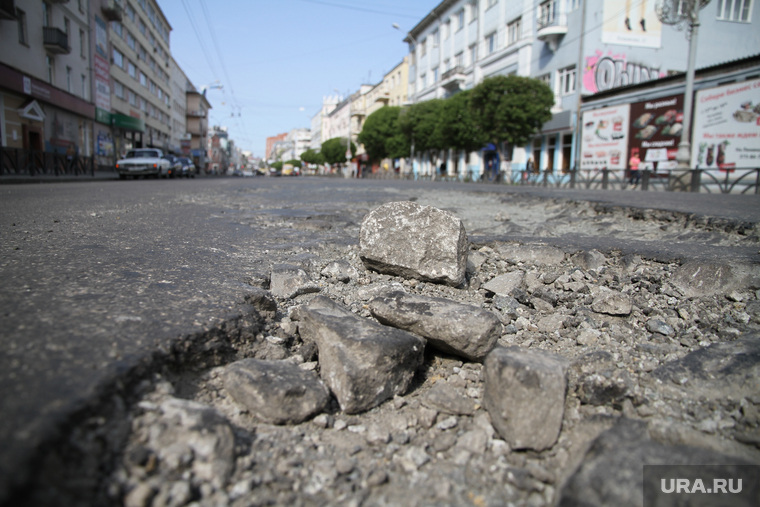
127, 122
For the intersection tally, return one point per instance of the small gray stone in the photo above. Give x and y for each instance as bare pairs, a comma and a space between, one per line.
341, 270
289, 281
660, 327
415, 241
278, 392
362, 362
610, 302
503, 285
452, 327
524, 393
591, 260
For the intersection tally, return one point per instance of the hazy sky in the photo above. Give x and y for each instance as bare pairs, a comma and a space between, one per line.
276, 59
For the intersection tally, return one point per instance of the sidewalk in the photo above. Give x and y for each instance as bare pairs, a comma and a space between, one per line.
9, 179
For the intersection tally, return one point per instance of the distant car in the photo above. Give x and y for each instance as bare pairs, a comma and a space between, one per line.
188, 169
143, 162
175, 169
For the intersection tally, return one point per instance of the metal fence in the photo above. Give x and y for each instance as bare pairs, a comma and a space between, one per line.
18, 161
738, 180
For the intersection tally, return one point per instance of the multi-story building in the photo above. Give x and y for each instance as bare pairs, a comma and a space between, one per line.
197, 126
299, 141
577, 47
219, 150
320, 121
140, 75
179, 139
271, 153
45, 78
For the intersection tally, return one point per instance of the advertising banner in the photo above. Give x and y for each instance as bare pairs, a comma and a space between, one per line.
726, 131
604, 138
655, 131
630, 23
102, 83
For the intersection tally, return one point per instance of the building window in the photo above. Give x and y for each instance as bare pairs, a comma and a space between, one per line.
473, 10
473, 54
68, 79
131, 69
491, 43
546, 79
117, 28
50, 64
45, 14
460, 19
118, 89
436, 39
84, 87
547, 13
130, 40
514, 31
734, 10
423, 46
446, 29
435, 75
82, 43
459, 59
143, 80
567, 80
118, 58
21, 24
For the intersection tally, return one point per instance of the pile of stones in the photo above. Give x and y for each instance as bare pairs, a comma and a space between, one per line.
416, 368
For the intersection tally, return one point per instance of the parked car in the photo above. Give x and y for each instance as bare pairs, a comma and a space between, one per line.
188, 168
175, 169
143, 162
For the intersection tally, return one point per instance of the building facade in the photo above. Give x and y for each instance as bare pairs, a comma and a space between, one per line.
179, 139
577, 47
140, 67
196, 121
320, 122
45, 78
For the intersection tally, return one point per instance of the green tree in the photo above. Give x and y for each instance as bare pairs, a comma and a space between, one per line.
311, 156
510, 108
334, 150
381, 135
418, 123
277, 165
456, 126
294, 162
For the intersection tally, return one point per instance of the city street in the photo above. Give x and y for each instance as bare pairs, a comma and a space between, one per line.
98, 277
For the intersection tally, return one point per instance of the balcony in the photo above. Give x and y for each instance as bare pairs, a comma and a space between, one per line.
198, 113
384, 97
453, 79
55, 40
551, 24
7, 9
112, 10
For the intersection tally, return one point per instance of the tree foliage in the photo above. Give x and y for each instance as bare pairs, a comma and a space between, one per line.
511, 108
311, 156
456, 126
294, 162
334, 150
381, 135
418, 123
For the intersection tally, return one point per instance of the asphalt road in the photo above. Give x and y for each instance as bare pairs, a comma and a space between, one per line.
97, 276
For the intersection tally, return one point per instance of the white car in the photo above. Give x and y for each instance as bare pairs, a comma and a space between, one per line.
143, 162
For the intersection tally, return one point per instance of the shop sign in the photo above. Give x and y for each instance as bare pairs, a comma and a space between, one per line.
726, 131
655, 131
604, 138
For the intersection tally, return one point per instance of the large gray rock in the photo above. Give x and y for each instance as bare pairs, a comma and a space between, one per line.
278, 392
456, 328
617, 471
721, 370
524, 393
415, 241
699, 278
362, 362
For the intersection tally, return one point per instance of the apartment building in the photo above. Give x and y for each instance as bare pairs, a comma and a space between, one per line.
45, 84
577, 47
319, 122
179, 138
140, 68
197, 126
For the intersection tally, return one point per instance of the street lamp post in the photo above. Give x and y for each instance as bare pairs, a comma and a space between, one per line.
678, 12
414, 95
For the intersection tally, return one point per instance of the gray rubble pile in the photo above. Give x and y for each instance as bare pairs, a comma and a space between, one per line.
418, 369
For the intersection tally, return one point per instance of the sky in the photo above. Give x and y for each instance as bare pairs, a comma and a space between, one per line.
277, 59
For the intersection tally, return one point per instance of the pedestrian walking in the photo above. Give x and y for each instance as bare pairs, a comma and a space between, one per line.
633, 167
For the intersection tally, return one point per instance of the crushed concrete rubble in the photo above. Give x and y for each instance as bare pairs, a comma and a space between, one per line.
428, 370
